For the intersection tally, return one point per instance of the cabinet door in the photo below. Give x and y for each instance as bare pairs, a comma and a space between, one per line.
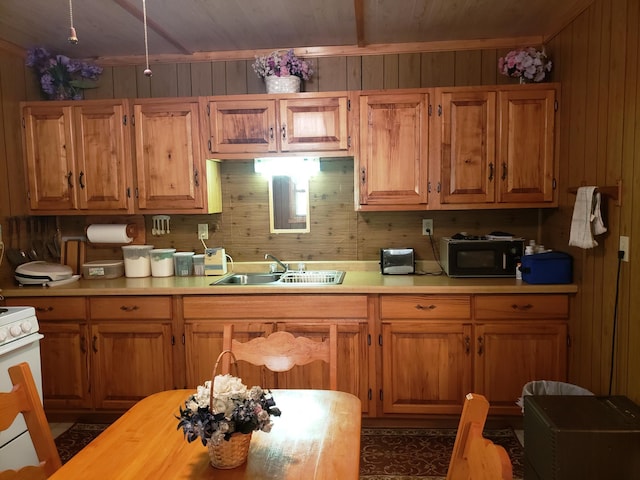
467, 126
510, 354
526, 148
352, 360
243, 126
103, 147
169, 156
313, 124
131, 360
50, 157
65, 365
426, 366
393, 149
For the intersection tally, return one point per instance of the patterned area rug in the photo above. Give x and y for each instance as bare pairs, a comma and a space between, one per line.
422, 453
385, 453
76, 438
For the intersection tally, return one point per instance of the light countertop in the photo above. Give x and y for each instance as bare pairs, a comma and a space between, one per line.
361, 278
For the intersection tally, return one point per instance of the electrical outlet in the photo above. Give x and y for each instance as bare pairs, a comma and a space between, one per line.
624, 247
203, 231
427, 226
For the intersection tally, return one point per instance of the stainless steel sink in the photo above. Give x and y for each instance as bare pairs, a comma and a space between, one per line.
306, 277
248, 279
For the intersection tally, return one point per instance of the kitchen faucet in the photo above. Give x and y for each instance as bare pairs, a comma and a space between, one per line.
285, 267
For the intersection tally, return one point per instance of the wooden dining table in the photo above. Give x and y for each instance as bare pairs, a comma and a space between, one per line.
316, 437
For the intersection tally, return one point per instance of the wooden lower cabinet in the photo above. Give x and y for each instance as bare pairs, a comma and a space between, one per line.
131, 349
432, 356
426, 366
259, 315
64, 350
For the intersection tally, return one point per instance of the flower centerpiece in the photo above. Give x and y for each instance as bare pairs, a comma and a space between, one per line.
229, 412
528, 64
62, 78
282, 72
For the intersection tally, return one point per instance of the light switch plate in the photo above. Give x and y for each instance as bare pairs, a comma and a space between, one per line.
203, 231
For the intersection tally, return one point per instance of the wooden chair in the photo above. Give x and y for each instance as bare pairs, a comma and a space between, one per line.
475, 457
281, 351
24, 398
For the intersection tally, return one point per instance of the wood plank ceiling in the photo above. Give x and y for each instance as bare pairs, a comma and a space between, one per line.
193, 30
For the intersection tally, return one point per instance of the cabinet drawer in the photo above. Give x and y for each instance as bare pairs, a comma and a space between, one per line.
425, 306
521, 306
130, 307
53, 308
276, 306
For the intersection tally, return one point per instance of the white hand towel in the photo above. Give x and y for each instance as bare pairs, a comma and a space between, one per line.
587, 219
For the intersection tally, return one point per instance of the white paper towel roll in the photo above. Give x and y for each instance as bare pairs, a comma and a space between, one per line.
111, 233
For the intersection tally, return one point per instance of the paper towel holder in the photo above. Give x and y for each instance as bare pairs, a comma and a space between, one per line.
135, 228
614, 192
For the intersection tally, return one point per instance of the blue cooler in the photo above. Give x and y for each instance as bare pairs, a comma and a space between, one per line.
547, 268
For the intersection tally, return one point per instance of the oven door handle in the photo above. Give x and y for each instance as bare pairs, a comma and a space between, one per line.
19, 343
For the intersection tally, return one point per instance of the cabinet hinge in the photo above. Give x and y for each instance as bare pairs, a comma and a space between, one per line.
348, 105
380, 340
439, 110
173, 340
370, 394
349, 141
554, 184
428, 187
183, 339
128, 192
208, 110
380, 394
438, 187
124, 120
137, 193
555, 105
369, 339
430, 109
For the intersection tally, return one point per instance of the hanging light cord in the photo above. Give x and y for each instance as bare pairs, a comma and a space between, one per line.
73, 38
147, 70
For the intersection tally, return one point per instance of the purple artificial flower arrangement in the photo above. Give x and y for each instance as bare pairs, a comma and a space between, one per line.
281, 65
62, 78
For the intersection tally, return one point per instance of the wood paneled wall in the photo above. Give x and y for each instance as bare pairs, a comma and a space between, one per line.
596, 61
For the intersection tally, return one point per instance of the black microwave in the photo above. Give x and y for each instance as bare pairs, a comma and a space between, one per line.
480, 257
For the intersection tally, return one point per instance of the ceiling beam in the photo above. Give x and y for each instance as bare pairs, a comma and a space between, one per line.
129, 8
346, 50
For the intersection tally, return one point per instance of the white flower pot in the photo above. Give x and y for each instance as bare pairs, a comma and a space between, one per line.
288, 84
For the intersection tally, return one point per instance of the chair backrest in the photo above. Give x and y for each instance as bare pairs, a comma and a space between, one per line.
24, 399
281, 351
475, 457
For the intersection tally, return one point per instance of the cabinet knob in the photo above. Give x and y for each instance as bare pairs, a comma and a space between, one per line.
44, 309
480, 346
526, 307
126, 308
491, 171
69, 176
81, 179
284, 132
504, 171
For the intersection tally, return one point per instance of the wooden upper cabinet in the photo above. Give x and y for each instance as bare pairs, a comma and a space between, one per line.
468, 146
50, 158
169, 156
103, 152
310, 123
314, 124
526, 148
242, 126
393, 150
78, 157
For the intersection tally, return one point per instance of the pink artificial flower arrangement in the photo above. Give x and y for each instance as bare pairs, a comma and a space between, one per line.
528, 63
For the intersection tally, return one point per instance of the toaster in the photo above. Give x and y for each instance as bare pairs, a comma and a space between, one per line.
397, 261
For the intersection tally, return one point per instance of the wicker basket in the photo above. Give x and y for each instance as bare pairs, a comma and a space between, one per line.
231, 453
288, 84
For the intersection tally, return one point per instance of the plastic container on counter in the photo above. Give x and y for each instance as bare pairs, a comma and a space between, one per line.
162, 262
198, 265
103, 269
183, 263
137, 262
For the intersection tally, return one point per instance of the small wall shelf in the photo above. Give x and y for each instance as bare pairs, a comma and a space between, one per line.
614, 192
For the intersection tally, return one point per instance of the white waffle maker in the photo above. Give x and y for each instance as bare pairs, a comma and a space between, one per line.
44, 273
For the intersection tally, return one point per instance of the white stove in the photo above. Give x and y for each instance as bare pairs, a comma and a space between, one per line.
19, 342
